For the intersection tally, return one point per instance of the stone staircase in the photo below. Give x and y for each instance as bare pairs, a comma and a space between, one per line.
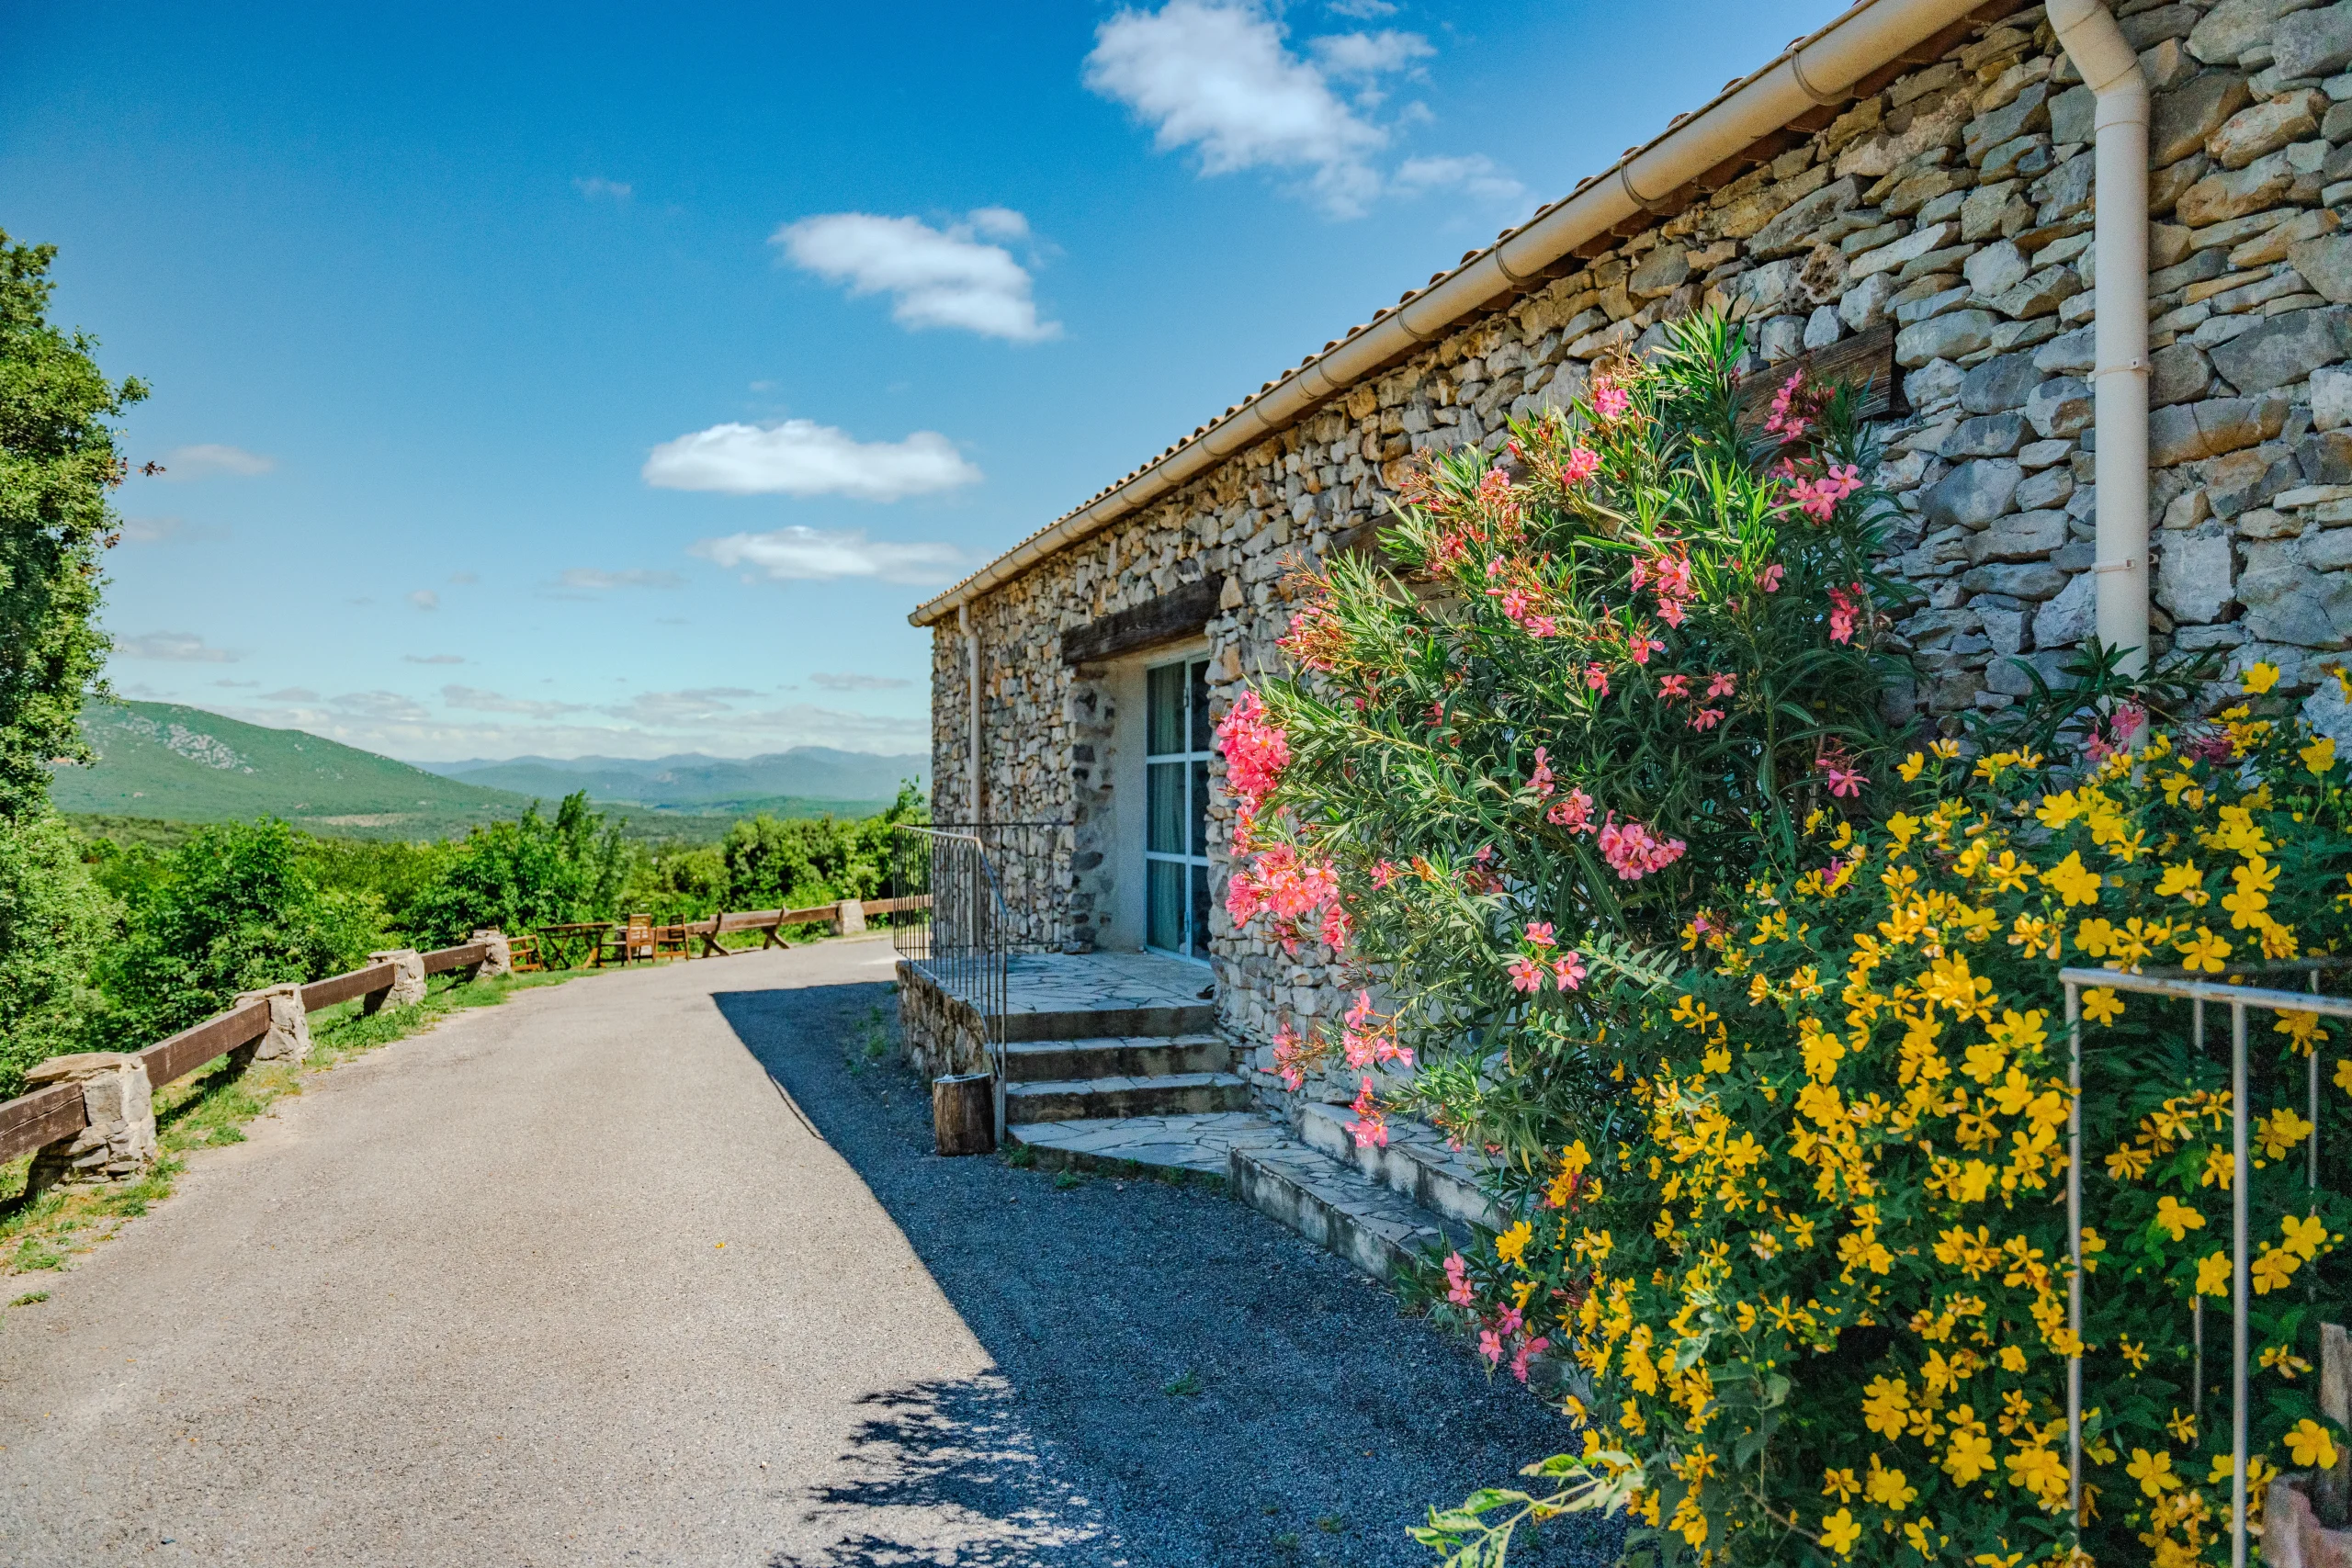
1380, 1208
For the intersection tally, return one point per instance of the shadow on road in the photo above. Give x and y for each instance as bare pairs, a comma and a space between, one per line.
952, 1460
1182, 1381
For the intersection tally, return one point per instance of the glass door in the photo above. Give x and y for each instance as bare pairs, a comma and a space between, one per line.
1177, 735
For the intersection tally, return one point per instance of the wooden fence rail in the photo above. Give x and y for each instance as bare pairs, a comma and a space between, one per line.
56, 1111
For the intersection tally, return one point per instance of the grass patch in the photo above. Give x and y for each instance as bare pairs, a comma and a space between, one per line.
1022, 1156
30, 1298
1186, 1385
210, 1109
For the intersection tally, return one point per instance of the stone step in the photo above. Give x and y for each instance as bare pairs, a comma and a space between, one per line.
1158, 1021
1133, 1057
1416, 1163
1194, 1144
1068, 1100
1338, 1207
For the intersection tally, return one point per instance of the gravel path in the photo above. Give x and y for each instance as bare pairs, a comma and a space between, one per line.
581, 1280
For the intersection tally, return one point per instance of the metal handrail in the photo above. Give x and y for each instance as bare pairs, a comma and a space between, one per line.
2180, 986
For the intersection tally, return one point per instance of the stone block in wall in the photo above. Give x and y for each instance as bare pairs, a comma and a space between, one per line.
2050, 488
2249, 477
1999, 384
1931, 126
2265, 127
2178, 374
1804, 222
2194, 574
2325, 263
2066, 620
2020, 536
118, 1138
2187, 432
2326, 458
1944, 337
2058, 408
2331, 396
2040, 295
2034, 580
1972, 494
2234, 193
2181, 121
2285, 348
2167, 186
1987, 436
2312, 44
2232, 28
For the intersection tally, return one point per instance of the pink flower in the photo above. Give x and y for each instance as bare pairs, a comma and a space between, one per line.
1596, 679
1371, 1127
1511, 1320
1292, 1055
1641, 647
1490, 1344
1610, 401
1457, 1281
1719, 686
1572, 811
1540, 933
1535, 1347
1241, 899
1844, 605
1526, 973
1633, 852
1256, 751
1674, 685
1541, 627
1384, 872
1337, 928
1836, 766
1706, 718
1770, 580
1579, 465
1568, 971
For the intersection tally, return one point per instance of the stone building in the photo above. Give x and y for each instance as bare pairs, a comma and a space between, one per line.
1914, 188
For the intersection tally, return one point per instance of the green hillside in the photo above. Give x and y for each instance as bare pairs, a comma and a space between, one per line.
160, 759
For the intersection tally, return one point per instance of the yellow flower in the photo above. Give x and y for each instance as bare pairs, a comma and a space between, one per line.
2213, 1274
2281, 1130
2101, 1005
2153, 1471
2304, 1236
1968, 1454
1839, 1532
2313, 1447
1511, 1245
1883, 1406
2258, 677
2343, 1080
2204, 951
2175, 1218
1910, 767
2012, 1359
1916, 1532
1840, 1484
2273, 1270
2320, 755
2183, 880
2182, 1427
2073, 881
1888, 1488
2039, 1471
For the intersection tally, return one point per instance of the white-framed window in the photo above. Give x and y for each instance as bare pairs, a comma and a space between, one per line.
1177, 736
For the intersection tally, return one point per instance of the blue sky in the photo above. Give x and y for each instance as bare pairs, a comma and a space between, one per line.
603, 379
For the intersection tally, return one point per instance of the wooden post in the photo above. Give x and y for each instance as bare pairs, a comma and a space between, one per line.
963, 1113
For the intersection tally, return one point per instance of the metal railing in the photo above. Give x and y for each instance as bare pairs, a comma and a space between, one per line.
995, 889
2181, 987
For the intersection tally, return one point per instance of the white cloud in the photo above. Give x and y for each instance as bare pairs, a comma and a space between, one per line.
1219, 78
796, 554
801, 456
425, 599
381, 705
236, 685
1361, 10
589, 578
1477, 175
475, 699
290, 695
196, 462
1363, 56
157, 530
598, 188
184, 648
432, 658
859, 682
936, 278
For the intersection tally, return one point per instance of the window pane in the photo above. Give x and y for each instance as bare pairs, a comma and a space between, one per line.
1164, 730
1201, 809
1198, 691
1164, 892
1164, 784
1199, 910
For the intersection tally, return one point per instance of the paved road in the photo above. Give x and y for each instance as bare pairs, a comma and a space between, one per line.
639, 1271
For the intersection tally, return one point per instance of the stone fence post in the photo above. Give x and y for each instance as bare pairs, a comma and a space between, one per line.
407, 988
120, 1141
288, 1039
849, 917
498, 960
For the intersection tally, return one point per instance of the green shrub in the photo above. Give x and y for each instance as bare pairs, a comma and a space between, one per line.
518, 875
240, 906
55, 920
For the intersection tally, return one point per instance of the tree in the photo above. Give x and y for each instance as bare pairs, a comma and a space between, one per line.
58, 460
240, 907
54, 921
528, 873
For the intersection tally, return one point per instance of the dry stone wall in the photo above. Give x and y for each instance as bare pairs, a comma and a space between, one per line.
1956, 205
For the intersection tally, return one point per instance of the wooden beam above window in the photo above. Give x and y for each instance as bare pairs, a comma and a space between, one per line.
1174, 616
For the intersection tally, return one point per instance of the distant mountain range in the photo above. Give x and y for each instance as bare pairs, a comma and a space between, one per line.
182, 764
806, 775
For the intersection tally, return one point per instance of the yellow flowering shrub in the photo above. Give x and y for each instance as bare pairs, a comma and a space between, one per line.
1813, 1261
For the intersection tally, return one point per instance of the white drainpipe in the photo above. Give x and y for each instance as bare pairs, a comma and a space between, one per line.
2120, 378
972, 728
